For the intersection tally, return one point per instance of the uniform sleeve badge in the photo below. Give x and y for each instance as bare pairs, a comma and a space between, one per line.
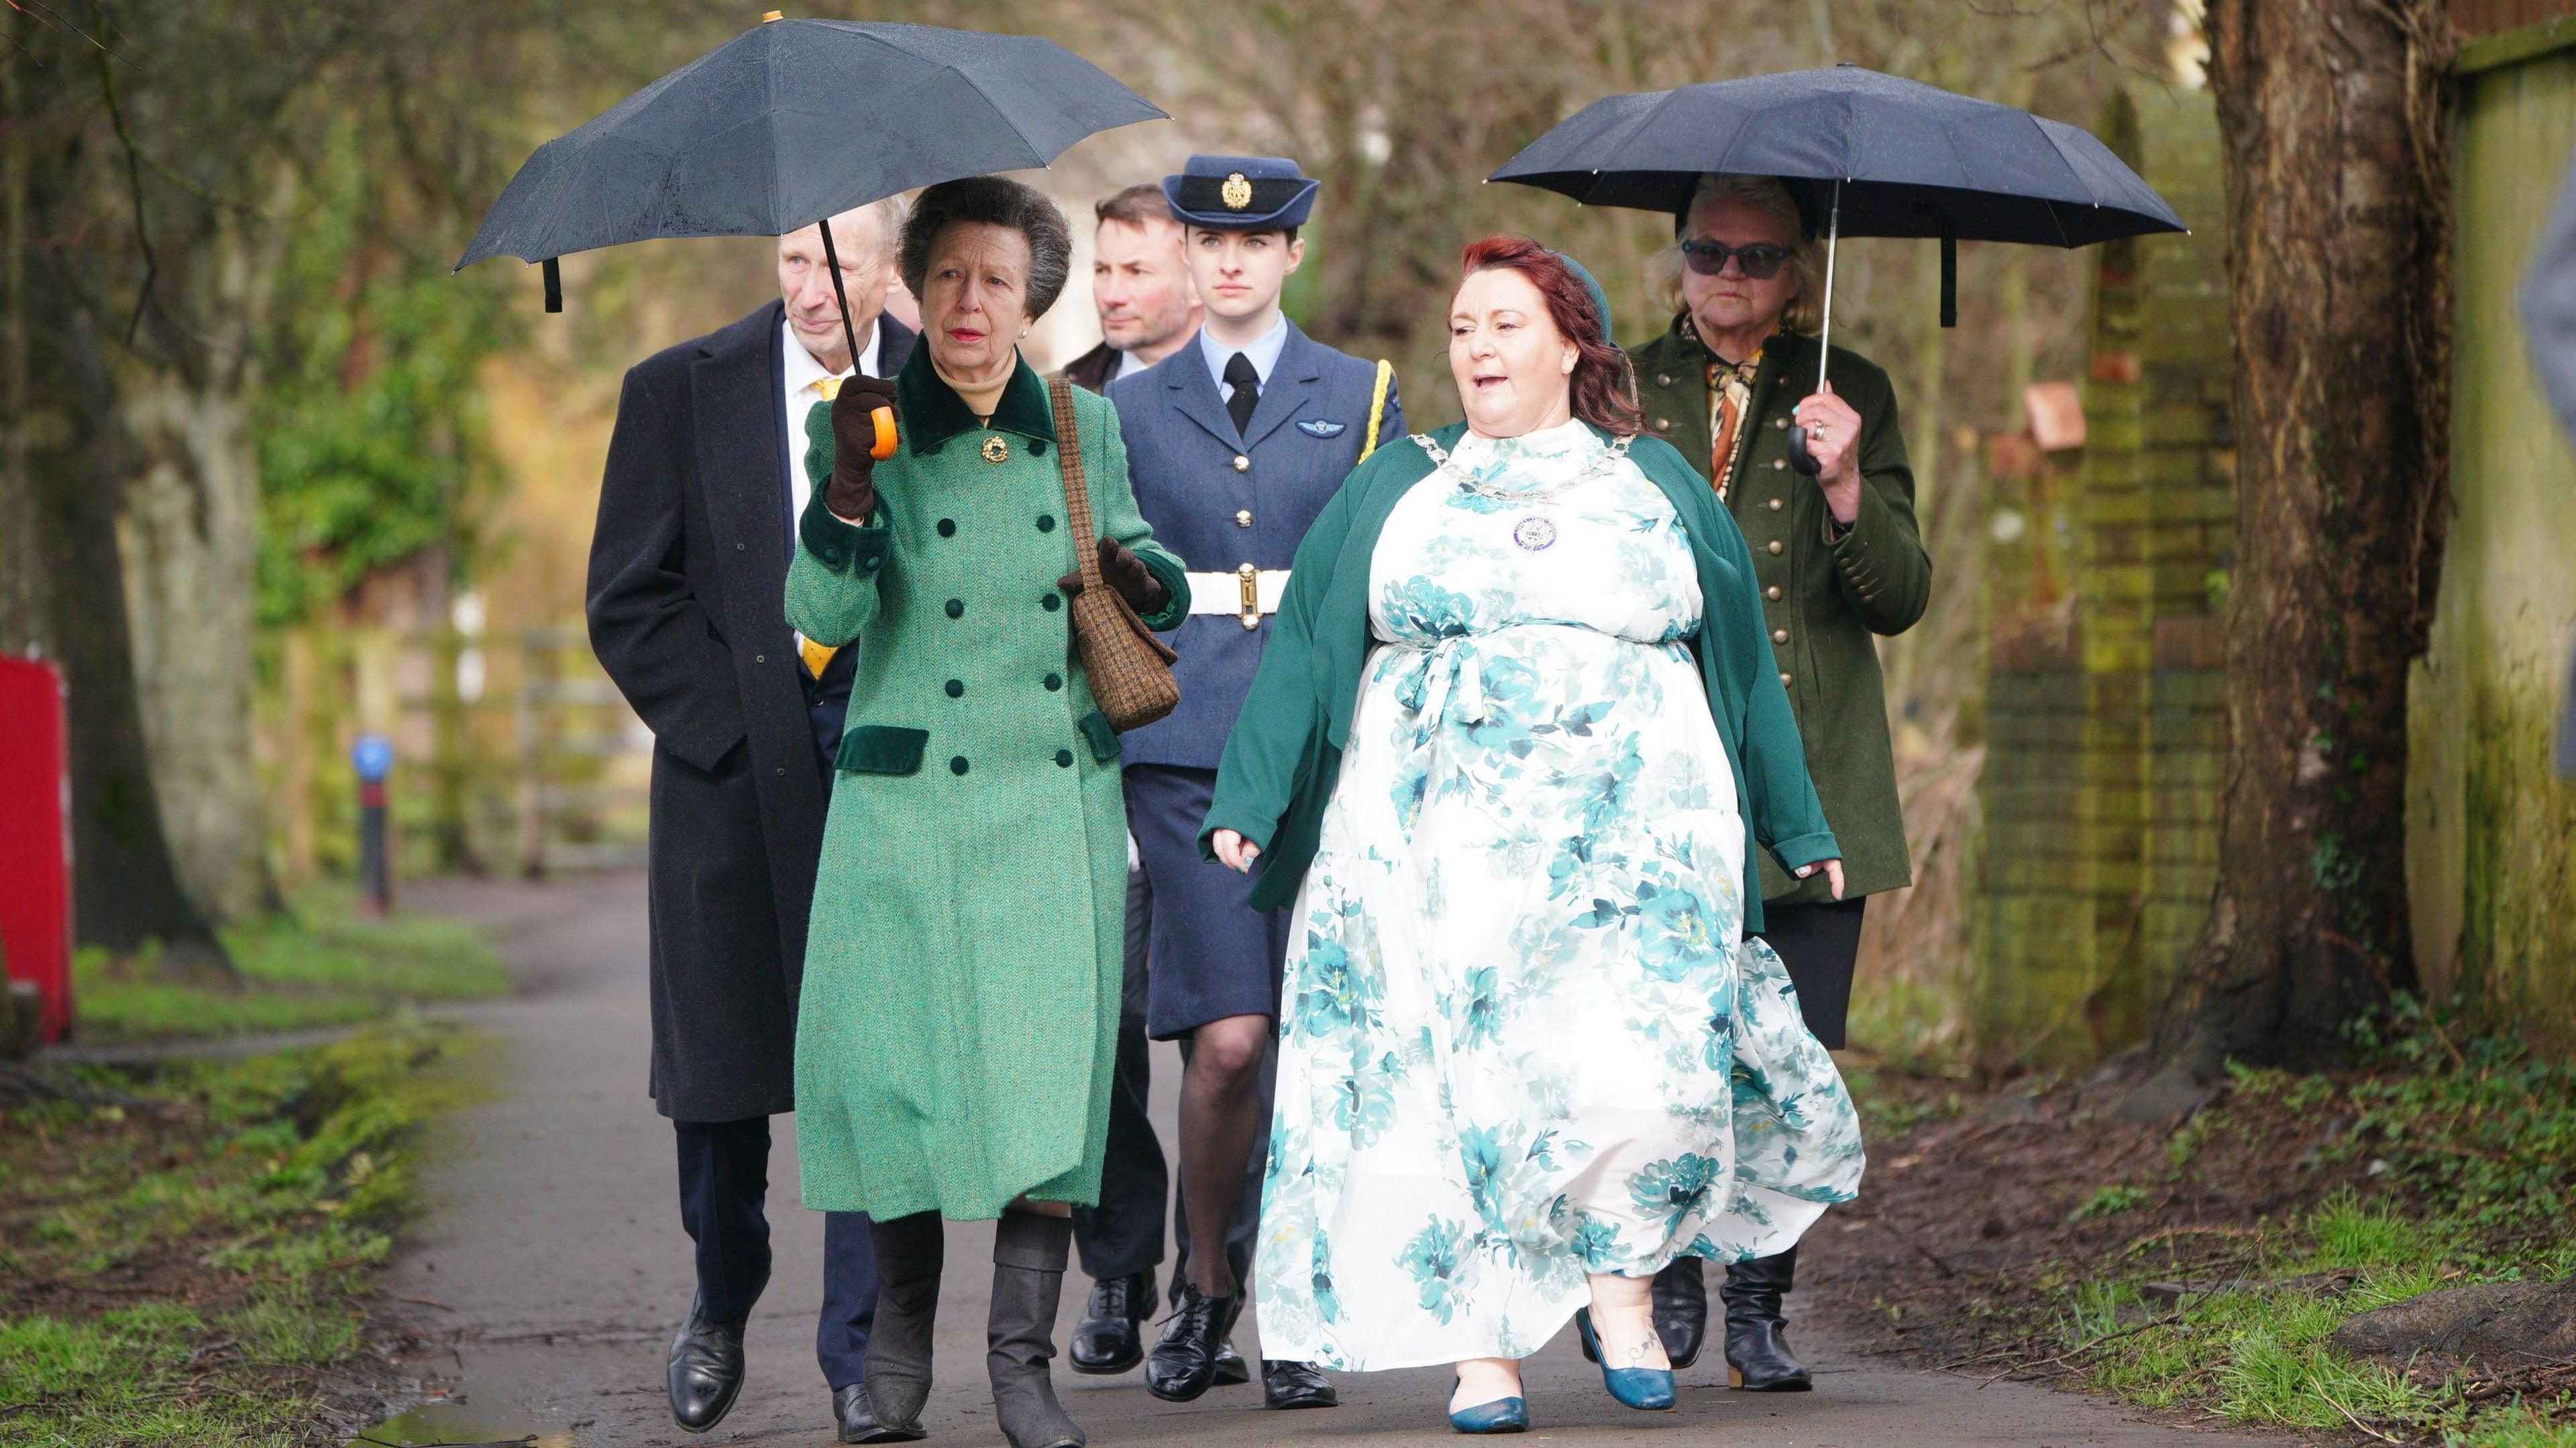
1317, 427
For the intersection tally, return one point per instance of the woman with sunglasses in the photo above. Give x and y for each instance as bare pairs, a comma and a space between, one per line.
1838, 560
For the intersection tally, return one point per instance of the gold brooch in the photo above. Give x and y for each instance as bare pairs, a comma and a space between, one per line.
1236, 193
995, 449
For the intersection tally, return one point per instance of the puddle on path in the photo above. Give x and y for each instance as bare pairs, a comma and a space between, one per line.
453, 1425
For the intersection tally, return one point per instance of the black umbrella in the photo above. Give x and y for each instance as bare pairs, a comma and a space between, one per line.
793, 122
1867, 154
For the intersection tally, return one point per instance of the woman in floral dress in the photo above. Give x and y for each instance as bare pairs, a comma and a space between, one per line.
1510, 749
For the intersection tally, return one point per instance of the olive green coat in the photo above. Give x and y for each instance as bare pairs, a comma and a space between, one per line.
960, 1006
1824, 600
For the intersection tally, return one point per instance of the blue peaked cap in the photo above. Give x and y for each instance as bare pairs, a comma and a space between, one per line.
1241, 193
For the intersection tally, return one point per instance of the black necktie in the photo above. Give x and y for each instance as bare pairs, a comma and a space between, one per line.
1246, 382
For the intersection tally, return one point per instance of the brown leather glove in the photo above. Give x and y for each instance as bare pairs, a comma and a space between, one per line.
852, 492
1123, 571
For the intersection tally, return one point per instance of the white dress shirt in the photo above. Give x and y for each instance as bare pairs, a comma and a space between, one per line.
798, 396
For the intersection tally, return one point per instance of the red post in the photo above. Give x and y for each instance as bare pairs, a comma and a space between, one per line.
35, 838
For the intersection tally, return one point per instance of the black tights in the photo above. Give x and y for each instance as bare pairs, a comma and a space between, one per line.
1220, 1118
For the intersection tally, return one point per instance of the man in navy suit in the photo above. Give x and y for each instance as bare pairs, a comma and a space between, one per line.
688, 564
1235, 444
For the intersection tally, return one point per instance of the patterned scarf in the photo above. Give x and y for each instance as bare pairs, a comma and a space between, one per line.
1730, 396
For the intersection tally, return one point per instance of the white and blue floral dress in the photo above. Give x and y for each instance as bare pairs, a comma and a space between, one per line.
1522, 1039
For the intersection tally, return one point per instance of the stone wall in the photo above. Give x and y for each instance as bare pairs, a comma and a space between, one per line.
2108, 573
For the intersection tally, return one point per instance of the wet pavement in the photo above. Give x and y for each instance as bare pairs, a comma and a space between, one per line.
550, 1269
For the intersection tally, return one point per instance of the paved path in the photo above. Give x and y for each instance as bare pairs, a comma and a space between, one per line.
554, 1253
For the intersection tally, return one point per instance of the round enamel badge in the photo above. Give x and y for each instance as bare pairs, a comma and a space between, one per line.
1534, 534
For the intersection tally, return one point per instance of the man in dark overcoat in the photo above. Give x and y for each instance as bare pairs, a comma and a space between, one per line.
697, 518
1235, 443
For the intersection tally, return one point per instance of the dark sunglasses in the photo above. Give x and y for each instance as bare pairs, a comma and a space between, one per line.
1761, 261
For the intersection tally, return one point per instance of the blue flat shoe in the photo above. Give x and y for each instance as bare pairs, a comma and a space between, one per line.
1502, 1415
1649, 1390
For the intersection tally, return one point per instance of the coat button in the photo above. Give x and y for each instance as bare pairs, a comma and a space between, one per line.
958, 764
1242, 464
957, 606
947, 527
760, 658
1243, 518
956, 688
1051, 602
1780, 422
1784, 681
1046, 522
1777, 505
1663, 379
1663, 424
1054, 682
1064, 759
1774, 545
737, 548
1772, 593
1037, 447
1779, 465
1779, 635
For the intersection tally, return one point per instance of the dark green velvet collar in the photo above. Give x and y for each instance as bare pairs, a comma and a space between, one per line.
933, 412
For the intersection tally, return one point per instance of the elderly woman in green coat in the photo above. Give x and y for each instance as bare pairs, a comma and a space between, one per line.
1840, 563
957, 1028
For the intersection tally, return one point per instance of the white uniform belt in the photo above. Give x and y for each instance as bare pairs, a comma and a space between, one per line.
1247, 593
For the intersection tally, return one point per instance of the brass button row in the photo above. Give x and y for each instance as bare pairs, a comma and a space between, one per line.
1242, 464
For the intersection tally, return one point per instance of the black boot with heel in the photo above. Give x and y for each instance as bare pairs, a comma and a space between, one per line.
1757, 1345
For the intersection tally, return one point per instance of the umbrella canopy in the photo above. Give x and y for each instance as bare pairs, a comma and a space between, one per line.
797, 120
1913, 159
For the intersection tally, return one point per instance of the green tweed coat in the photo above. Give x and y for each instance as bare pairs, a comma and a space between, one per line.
960, 1007
1823, 600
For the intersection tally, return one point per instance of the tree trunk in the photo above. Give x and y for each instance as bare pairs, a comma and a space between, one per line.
2331, 114
61, 470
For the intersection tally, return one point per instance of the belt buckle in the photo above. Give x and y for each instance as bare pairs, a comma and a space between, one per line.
1247, 581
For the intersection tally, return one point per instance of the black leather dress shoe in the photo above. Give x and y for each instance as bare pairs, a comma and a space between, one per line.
1295, 1385
1183, 1364
704, 1373
1757, 1347
1111, 1337
857, 1417
1231, 1370
1681, 1311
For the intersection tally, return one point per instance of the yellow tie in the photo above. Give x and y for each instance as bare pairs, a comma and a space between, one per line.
819, 656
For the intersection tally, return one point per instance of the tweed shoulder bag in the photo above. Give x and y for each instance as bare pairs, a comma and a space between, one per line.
1131, 669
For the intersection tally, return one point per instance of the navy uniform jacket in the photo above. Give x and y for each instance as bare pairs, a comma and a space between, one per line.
1305, 438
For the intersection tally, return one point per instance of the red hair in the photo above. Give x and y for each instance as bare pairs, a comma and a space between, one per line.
1599, 387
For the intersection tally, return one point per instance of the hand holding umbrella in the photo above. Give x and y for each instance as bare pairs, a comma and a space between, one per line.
863, 434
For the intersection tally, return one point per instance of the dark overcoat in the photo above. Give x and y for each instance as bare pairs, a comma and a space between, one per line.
1222, 499
1825, 600
688, 565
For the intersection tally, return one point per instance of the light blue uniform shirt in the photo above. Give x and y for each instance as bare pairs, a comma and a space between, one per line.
1264, 352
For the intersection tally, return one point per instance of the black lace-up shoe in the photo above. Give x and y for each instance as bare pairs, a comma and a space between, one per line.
1183, 1364
1111, 1337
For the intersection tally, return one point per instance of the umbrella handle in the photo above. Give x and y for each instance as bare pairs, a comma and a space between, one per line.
832, 259
1799, 458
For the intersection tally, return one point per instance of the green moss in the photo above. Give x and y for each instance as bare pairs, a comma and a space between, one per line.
318, 965
248, 1202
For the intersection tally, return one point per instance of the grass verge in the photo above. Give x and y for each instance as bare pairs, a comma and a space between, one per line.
318, 964
2203, 1270
183, 1248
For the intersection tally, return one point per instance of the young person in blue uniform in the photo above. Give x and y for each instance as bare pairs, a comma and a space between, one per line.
1235, 444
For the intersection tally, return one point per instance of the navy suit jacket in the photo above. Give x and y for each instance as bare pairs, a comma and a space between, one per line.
1305, 437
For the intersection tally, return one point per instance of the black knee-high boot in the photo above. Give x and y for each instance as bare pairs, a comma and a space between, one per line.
908, 1253
1028, 1275
1757, 1352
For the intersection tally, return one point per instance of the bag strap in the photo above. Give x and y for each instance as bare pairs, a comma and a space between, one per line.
1377, 405
1077, 494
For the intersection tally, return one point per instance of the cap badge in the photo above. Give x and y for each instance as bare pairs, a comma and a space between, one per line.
1236, 193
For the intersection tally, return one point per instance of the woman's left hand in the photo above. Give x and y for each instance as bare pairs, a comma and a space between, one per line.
1124, 571
1833, 440
1833, 874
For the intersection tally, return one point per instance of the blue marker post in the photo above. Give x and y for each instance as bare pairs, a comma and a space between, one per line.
374, 758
